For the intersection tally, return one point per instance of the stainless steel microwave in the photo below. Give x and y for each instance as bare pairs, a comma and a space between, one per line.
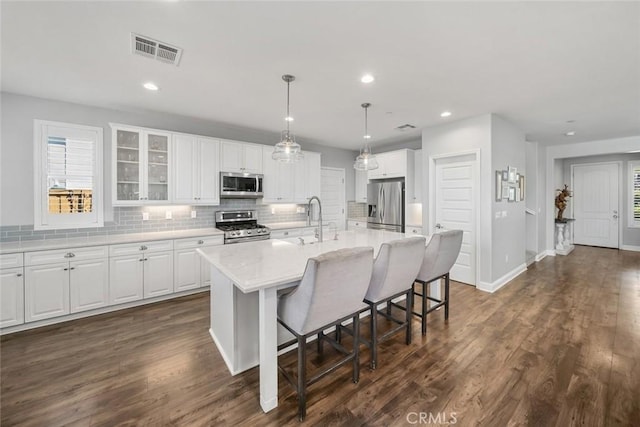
235, 185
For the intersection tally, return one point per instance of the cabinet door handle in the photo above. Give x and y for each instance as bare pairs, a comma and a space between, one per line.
143, 248
72, 268
19, 275
200, 242
65, 269
141, 259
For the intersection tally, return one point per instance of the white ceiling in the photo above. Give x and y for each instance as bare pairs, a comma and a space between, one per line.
539, 64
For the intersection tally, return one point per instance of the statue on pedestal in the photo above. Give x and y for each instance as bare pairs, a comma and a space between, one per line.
561, 202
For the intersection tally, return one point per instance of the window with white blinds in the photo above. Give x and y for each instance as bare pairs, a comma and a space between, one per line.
634, 196
68, 176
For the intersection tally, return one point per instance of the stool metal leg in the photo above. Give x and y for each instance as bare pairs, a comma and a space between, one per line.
409, 314
446, 296
302, 378
424, 308
374, 333
356, 349
319, 343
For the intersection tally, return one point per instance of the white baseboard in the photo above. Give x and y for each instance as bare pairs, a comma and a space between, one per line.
492, 287
542, 255
630, 248
551, 252
97, 311
224, 355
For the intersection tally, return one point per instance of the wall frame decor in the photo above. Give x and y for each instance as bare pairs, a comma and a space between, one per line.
521, 186
512, 172
512, 194
498, 186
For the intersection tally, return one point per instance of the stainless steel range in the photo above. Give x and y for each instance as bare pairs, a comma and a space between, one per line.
241, 226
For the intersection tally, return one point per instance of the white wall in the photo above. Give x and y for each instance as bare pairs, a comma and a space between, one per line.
542, 199
531, 196
556, 153
456, 137
630, 236
508, 233
16, 145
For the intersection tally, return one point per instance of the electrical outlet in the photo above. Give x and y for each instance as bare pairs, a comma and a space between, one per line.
273, 211
145, 216
168, 215
193, 214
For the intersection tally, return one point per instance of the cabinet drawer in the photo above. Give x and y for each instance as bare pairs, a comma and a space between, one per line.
285, 234
134, 248
356, 224
196, 242
58, 255
11, 260
413, 230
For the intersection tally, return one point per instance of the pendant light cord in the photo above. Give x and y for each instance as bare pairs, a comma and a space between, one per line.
288, 119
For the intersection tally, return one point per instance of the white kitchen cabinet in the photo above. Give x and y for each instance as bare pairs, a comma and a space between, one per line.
11, 296
392, 164
125, 278
278, 181
361, 186
158, 274
312, 167
413, 230
291, 182
240, 157
88, 284
196, 171
140, 270
190, 272
352, 224
141, 166
46, 291
417, 178
63, 281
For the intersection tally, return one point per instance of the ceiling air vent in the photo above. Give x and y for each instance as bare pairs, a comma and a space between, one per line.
163, 52
405, 127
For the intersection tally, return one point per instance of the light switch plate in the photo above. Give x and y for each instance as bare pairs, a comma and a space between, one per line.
168, 215
193, 214
145, 216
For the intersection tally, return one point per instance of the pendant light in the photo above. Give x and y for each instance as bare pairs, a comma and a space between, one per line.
287, 150
366, 160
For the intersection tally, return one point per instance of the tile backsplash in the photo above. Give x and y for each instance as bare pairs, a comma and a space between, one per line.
356, 210
129, 220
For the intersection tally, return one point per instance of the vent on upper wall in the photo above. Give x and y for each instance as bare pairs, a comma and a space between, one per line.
163, 52
405, 127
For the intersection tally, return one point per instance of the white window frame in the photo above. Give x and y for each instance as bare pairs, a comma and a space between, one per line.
631, 165
42, 129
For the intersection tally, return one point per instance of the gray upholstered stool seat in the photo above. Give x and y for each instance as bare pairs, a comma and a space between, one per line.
394, 271
440, 255
331, 291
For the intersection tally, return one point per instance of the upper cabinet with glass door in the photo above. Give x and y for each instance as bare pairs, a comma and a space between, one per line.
141, 165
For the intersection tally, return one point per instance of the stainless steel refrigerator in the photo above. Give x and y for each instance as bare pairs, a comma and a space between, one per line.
385, 205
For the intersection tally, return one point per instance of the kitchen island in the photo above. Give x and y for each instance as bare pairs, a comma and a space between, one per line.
245, 279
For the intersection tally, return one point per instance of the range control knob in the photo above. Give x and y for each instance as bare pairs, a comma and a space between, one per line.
248, 231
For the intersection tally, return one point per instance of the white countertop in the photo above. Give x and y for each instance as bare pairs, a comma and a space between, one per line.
113, 239
287, 225
362, 219
255, 265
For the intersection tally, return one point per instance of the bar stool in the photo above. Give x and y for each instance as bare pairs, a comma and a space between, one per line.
394, 271
439, 256
330, 292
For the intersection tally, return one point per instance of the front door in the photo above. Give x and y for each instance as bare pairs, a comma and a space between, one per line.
595, 204
455, 209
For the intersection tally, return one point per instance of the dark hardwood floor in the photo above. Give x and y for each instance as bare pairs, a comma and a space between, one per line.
558, 346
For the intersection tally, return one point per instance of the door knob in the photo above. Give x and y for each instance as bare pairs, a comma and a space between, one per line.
615, 217
439, 226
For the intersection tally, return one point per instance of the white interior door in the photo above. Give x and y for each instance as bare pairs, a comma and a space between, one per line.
595, 204
332, 194
455, 210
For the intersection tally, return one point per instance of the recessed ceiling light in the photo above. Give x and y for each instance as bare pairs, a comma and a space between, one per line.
570, 133
445, 114
367, 78
151, 86
367, 137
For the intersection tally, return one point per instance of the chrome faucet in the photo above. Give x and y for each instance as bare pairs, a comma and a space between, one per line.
319, 231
